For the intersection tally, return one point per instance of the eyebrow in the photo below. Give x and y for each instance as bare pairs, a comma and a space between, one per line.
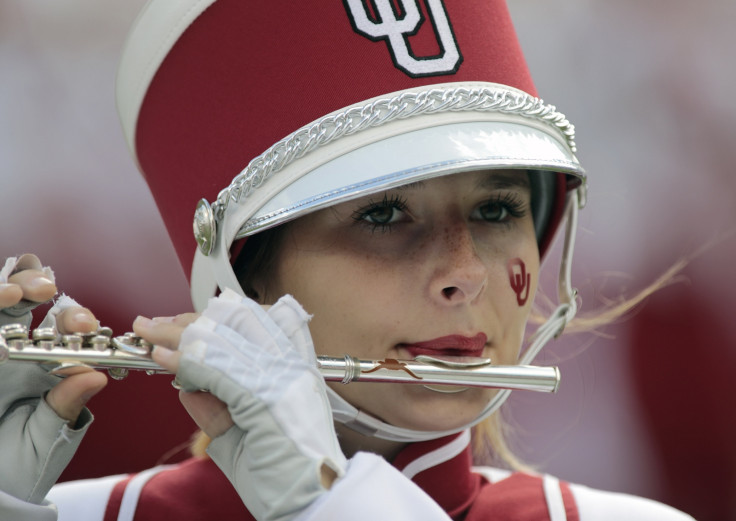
493, 180
411, 186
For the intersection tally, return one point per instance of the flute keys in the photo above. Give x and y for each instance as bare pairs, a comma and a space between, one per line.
100, 342
44, 337
104, 331
15, 335
94, 340
13, 331
4, 351
65, 355
127, 339
118, 373
133, 344
73, 342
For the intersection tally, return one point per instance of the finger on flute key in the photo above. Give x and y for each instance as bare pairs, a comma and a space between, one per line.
163, 331
34, 284
76, 320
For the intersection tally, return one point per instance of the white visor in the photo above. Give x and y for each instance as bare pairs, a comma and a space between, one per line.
416, 155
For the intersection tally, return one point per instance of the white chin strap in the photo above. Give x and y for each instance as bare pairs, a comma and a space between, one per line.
367, 425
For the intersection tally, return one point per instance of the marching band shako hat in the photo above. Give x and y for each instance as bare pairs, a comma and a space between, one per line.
270, 109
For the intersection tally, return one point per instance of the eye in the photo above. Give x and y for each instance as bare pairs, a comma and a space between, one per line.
493, 212
382, 215
500, 209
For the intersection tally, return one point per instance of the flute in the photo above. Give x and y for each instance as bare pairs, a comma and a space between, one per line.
119, 355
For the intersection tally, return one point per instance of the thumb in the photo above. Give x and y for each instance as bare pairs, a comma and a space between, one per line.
69, 396
208, 412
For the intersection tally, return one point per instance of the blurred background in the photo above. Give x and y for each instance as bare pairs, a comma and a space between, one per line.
646, 404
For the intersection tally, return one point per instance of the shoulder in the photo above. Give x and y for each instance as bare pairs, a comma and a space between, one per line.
83, 500
192, 489
545, 493
601, 505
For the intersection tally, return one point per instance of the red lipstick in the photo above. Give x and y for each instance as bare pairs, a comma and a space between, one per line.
451, 345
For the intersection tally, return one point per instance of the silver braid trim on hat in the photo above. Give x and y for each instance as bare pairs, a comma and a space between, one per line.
380, 112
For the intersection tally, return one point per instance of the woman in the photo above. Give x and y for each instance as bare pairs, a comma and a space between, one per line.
405, 213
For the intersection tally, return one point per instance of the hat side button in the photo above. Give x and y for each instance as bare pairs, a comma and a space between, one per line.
205, 227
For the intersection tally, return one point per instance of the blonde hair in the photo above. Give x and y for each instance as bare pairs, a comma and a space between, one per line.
490, 444
200, 442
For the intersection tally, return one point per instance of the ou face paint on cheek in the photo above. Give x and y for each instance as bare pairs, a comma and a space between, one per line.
519, 279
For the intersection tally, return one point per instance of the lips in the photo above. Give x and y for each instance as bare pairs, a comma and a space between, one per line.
451, 345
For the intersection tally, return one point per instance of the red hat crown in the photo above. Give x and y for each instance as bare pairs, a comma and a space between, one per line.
204, 89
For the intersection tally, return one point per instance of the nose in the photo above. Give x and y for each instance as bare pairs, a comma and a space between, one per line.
460, 275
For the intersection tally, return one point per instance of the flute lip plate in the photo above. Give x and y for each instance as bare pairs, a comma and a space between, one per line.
454, 362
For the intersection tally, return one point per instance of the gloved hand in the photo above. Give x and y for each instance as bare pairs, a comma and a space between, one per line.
24, 284
263, 366
39, 436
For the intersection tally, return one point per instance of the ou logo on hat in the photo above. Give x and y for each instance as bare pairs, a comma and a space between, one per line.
397, 30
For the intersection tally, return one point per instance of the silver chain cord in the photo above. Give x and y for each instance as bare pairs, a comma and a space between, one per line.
380, 112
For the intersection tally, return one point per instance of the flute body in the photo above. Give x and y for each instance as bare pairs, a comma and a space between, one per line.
118, 355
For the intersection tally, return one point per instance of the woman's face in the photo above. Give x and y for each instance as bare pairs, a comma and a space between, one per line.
446, 266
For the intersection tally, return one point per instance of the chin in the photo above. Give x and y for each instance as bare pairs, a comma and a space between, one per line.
437, 411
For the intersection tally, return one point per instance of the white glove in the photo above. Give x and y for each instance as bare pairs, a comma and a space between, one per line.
35, 443
263, 366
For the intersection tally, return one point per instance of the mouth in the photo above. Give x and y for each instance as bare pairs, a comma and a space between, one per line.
448, 346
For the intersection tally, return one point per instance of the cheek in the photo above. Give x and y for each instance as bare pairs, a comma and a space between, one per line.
352, 300
519, 277
520, 280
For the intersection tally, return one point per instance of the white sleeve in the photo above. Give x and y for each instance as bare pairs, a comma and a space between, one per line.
85, 499
372, 489
13, 508
597, 505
